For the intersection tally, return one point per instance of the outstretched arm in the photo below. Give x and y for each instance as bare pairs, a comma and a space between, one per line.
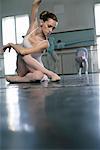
38, 48
33, 18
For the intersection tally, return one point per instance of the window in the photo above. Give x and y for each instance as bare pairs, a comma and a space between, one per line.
22, 24
97, 23
97, 19
13, 28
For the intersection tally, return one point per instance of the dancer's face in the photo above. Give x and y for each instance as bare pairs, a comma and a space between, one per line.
48, 26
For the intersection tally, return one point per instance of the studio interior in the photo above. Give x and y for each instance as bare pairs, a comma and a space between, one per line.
49, 75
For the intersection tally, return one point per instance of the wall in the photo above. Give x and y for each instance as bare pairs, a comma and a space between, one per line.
96, 1
0, 23
76, 14
72, 14
15, 7
75, 38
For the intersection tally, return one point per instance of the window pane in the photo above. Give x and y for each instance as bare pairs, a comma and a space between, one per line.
8, 30
22, 24
97, 18
97, 22
8, 33
98, 48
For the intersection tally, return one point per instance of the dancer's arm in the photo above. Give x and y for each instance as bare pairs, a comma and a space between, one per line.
33, 18
33, 22
37, 48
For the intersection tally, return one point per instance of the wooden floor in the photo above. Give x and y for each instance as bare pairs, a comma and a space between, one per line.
51, 116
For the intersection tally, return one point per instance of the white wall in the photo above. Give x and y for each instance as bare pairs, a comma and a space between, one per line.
73, 14
15, 7
96, 1
0, 23
77, 14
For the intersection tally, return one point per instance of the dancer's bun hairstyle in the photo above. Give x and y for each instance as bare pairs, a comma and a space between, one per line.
45, 15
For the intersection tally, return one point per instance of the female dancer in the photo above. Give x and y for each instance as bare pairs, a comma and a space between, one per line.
29, 64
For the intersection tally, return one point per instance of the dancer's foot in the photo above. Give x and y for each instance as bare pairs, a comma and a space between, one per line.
55, 78
16, 79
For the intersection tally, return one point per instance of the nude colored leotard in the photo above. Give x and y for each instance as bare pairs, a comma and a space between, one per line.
37, 56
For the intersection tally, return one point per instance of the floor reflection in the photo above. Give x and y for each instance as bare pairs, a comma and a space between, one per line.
63, 115
12, 105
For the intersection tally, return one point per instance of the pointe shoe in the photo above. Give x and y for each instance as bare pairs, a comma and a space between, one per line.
56, 79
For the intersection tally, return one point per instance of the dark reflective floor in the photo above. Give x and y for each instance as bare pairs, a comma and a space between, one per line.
51, 116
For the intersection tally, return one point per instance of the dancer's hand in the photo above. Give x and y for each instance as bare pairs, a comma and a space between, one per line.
37, 1
8, 46
3, 49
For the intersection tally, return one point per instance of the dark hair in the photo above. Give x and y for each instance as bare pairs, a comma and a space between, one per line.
45, 15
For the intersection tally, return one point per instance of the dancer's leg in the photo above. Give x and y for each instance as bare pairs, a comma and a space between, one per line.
23, 73
21, 68
86, 67
29, 77
78, 60
34, 64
